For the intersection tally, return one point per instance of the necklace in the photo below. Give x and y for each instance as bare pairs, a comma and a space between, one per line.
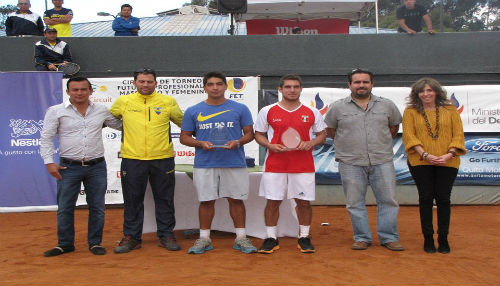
428, 125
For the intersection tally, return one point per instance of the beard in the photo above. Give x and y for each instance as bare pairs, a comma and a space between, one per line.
362, 95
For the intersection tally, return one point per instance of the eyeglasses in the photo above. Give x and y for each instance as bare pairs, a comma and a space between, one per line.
25, 4
144, 70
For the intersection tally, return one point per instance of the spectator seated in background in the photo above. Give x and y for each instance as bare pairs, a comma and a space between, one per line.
59, 18
51, 51
410, 17
126, 24
23, 21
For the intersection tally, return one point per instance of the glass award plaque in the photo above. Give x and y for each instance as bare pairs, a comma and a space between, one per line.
291, 138
219, 136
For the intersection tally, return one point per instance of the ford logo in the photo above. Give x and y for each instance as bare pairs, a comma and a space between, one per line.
483, 145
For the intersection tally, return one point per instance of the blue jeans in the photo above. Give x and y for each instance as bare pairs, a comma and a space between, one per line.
94, 180
381, 178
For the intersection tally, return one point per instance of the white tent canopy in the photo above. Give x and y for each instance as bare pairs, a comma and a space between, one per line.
308, 9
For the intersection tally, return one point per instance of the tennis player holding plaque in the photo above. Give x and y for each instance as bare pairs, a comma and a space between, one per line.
218, 128
289, 130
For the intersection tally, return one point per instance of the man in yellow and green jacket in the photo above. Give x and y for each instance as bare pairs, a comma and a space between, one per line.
147, 153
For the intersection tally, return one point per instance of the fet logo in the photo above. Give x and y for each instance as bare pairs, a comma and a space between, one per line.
236, 84
319, 104
457, 104
23, 127
483, 145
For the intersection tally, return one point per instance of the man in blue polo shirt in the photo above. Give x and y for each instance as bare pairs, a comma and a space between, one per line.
218, 128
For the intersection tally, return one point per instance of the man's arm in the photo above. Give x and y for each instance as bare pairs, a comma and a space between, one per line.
113, 122
39, 24
247, 137
117, 25
307, 145
330, 132
8, 27
402, 24
54, 21
67, 54
428, 23
39, 59
49, 131
261, 138
186, 138
176, 113
394, 130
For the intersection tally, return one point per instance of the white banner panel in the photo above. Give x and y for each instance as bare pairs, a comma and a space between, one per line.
478, 105
187, 91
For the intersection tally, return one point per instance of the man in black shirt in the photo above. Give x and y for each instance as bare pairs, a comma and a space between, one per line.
410, 17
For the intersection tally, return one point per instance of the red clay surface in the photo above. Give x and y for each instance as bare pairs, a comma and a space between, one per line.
474, 257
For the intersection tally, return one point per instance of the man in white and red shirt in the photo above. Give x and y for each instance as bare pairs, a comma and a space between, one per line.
289, 170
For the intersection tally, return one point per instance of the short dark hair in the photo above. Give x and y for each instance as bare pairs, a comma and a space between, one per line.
215, 74
144, 71
290, 77
78, 79
126, 5
359, 70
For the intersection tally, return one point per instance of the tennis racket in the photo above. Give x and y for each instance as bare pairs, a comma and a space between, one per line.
68, 69
291, 138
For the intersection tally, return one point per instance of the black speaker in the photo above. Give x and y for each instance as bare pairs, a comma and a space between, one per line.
232, 6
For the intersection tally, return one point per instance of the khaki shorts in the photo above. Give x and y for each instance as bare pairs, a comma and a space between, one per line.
274, 186
215, 183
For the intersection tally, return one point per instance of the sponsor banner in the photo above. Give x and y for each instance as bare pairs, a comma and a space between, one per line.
24, 178
480, 166
187, 91
478, 105
289, 27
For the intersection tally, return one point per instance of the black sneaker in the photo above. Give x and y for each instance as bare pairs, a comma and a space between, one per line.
58, 250
269, 246
127, 244
170, 243
97, 249
305, 245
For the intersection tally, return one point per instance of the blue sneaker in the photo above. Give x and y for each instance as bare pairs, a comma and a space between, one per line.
244, 245
200, 246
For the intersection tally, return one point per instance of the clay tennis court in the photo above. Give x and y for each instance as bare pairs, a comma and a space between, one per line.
474, 257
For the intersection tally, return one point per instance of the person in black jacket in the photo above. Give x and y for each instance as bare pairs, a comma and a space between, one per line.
23, 21
51, 51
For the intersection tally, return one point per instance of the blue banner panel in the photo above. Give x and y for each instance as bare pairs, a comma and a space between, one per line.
480, 166
24, 178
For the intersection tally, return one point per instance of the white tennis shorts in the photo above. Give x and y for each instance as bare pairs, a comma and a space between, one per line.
274, 186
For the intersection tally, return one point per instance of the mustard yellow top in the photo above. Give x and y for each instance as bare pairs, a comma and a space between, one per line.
451, 135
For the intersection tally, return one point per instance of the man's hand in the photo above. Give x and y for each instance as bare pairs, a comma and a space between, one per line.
52, 67
232, 145
431, 32
206, 145
305, 145
53, 169
410, 32
277, 148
